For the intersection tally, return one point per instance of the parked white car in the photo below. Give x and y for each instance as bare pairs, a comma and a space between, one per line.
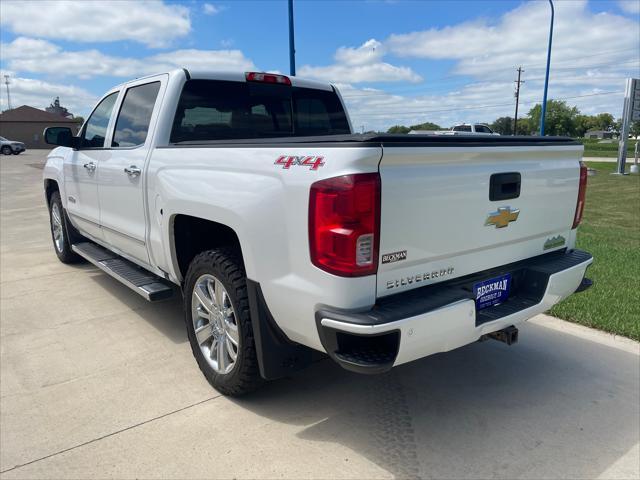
460, 129
11, 147
289, 236
473, 129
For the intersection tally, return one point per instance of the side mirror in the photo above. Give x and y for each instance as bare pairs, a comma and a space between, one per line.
61, 136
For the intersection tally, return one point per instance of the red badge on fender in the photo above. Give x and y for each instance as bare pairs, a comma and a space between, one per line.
313, 162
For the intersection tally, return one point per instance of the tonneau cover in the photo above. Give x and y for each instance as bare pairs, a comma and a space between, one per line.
396, 140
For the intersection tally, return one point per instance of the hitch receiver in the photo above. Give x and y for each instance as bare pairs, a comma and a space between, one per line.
507, 335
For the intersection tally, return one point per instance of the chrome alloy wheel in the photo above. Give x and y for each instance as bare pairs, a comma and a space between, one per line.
56, 227
215, 323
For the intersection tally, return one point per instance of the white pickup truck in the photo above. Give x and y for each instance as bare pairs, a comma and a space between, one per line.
288, 235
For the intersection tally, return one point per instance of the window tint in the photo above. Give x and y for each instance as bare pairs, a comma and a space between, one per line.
462, 128
218, 110
482, 129
135, 115
95, 130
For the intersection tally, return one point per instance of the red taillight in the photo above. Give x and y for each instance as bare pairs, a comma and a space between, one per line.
267, 78
582, 191
344, 224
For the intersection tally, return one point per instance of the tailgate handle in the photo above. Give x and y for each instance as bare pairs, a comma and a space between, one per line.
504, 186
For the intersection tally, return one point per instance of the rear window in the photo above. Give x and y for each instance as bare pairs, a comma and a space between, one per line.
221, 110
462, 128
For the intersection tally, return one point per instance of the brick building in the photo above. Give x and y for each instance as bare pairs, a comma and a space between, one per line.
26, 124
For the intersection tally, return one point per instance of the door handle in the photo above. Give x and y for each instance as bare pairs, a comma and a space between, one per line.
132, 171
90, 167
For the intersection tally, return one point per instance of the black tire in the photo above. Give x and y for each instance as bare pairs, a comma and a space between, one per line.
225, 265
16, 152
6, 150
69, 233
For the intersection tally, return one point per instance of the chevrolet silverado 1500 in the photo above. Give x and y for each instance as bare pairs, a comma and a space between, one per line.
287, 235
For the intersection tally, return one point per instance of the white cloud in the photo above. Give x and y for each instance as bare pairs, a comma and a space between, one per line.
520, 37
40, 94
361, 64
210, 9
150, 22
43, 57
592, 55
477, 102
629, 6
369, 52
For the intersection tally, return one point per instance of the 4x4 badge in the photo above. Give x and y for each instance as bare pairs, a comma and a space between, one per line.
502, 217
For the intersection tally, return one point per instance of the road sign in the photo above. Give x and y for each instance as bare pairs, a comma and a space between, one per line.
630, 113
635, 109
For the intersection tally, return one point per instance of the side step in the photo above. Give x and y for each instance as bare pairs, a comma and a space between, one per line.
144, 283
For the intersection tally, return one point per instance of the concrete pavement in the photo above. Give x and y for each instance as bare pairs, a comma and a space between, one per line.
95, 382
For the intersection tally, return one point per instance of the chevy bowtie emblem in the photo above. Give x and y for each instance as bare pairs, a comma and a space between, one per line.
502, 217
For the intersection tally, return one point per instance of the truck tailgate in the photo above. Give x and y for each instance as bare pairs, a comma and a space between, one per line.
438, 221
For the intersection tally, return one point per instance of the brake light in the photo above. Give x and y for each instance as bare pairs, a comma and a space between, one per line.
344, 224
582, 191
267, 78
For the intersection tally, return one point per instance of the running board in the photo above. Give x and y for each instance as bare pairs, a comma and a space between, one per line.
144, 283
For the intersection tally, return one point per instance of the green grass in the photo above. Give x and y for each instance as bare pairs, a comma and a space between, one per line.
592, 148
610, 231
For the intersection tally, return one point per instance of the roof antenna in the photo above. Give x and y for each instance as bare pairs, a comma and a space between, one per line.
6, 82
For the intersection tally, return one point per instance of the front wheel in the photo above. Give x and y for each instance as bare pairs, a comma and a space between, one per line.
6, 150
218, 322
60, 231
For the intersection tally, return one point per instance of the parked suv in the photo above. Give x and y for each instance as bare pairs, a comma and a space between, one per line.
8, 147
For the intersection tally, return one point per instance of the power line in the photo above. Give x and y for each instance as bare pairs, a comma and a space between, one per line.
464, 83
475, 107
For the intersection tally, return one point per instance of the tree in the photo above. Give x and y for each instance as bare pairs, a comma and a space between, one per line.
584, 123
426, 126
503, 125
560, 118
634, 129
604, 121
399, 129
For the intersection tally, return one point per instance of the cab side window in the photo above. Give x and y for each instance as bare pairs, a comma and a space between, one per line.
134, 118
95, 130
483, 129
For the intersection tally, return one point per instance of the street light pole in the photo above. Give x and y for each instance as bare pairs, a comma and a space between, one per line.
292, 48
6, 81
546, 77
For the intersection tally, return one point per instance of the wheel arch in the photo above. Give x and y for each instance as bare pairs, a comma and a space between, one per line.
50, 186
191, 235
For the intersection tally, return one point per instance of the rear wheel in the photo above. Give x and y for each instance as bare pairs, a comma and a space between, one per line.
61, 230
218, 322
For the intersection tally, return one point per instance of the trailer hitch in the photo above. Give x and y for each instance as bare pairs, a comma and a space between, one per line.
507, 335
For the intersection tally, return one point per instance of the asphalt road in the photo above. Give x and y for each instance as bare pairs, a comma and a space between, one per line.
95, 382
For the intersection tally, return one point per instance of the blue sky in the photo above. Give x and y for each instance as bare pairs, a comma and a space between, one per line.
395, 61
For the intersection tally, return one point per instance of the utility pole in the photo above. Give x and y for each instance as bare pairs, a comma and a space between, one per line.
515, 118
292, 47
6, 82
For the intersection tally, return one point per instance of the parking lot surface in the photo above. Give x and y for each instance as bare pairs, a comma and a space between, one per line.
95, 382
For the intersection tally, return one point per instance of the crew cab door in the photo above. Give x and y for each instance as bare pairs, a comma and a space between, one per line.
81, 165
121, 177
